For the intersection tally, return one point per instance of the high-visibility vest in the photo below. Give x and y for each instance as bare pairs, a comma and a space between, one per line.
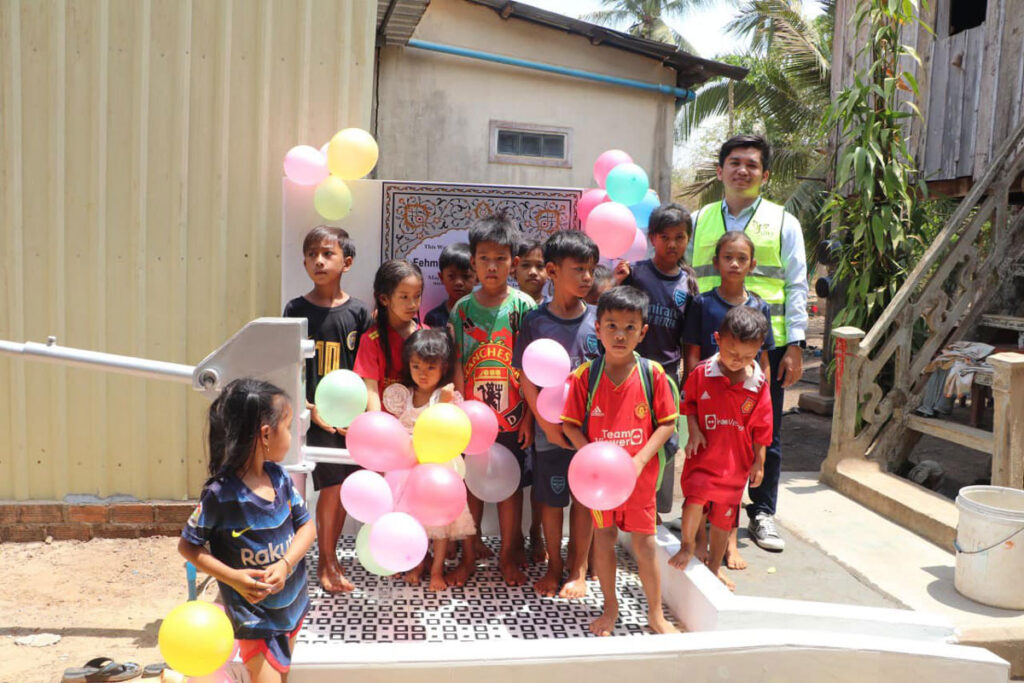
769, 277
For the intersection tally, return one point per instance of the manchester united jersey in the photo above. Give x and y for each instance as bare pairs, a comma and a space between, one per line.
732, 418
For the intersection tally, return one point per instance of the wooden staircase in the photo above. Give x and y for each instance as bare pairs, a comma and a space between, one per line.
879, 378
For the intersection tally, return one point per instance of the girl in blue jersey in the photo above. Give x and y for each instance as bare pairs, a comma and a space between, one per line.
251, 529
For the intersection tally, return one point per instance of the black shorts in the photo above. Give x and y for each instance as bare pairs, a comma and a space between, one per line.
551, 477
331, 474
510, 440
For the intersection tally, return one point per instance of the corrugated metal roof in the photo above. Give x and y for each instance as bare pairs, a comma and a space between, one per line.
398, 19
692, 70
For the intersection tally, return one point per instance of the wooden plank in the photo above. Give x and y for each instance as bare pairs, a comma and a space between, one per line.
970, 437
1008, 78
954, 105
1003, 322
925, 49
988, 84
936, 110
973, 60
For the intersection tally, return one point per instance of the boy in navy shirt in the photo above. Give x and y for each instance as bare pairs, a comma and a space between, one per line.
570, 257
670, 284
458, 279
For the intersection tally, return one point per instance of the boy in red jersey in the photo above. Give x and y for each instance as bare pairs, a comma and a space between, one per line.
729, 411
621, 412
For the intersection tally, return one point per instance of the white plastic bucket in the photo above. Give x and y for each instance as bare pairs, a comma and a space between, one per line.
990, 546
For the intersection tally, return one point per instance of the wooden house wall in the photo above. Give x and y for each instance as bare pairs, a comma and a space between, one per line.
971, 84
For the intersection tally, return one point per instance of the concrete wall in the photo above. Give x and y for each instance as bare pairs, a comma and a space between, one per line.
433, 109
140, 203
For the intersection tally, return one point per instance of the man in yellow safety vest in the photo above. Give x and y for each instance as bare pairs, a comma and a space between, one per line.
780, 278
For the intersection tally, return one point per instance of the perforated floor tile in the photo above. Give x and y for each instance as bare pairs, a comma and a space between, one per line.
388, 611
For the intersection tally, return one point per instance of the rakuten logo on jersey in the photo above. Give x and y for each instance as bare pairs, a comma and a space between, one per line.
626, 437
712, 422
265, 556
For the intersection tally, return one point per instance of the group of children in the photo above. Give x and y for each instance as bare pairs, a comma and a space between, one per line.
633, 335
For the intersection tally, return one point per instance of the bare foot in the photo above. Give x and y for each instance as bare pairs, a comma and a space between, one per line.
659, 624
480, 549
725, 579
438, 582
733, 559
574, 588
511, 572
547, 585
413, 576
332, 579
702, 553
460, 575
682, 558
605, 624
538, 551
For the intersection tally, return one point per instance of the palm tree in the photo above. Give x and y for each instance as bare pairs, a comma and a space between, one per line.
646, 18
784, 96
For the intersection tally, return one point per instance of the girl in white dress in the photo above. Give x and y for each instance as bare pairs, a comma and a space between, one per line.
427, 360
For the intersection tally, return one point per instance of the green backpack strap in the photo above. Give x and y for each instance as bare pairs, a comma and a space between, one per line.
596, 368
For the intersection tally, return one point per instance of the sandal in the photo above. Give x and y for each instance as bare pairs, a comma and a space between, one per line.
153, 670
101, 670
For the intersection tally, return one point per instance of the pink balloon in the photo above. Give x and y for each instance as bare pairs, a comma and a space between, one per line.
638, 251
398, 542
551, 402
613, 227
546, 362
396, 482
377, 441
607, 161
483, 425
434, 494
366, 496
588, 201
305, 165
602, 475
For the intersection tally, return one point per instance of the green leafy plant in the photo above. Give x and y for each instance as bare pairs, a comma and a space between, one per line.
879, 204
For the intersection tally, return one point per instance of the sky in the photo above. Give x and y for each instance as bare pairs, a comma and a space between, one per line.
702, 28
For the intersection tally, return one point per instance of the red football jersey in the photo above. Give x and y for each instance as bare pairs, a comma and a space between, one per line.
370, 357
732, 418
620, 414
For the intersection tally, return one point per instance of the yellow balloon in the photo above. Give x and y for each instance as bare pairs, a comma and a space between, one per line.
332, 198
196, 638
352, 153
441, 432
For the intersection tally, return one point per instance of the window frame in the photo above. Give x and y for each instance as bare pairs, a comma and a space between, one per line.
495, 157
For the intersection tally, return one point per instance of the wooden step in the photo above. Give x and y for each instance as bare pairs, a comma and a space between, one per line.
971, 437
1003, 322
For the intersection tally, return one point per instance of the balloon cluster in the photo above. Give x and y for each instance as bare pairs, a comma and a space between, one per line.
616, 215
350, 155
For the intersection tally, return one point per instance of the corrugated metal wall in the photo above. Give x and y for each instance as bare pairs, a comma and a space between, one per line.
140, 162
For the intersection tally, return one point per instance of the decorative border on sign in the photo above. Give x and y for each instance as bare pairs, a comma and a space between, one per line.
414, 212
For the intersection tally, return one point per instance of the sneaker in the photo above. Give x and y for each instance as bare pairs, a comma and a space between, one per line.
762, 530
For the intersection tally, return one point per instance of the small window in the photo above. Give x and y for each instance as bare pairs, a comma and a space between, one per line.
520, 143
965, 14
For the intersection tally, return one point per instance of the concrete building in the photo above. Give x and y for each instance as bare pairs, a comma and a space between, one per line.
462, 118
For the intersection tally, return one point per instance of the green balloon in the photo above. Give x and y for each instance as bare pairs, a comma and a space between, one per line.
363, 553
340, 396
626, 184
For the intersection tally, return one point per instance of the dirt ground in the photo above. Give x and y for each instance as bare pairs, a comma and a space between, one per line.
107, 597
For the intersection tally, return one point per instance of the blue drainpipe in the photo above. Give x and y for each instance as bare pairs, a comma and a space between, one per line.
679, 93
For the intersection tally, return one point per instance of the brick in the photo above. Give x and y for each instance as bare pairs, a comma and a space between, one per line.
41, 513
8, 514
24, 533
177, 513
131, 513
70, 532
164, 529
96, 514
115, 531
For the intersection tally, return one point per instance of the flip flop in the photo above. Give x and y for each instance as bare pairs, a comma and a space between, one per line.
101, 670
153, 670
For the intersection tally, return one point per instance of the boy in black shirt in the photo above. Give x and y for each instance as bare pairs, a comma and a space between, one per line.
335, 322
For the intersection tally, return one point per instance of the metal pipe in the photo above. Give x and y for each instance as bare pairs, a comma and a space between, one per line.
337, 456
129, 365
678, 93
